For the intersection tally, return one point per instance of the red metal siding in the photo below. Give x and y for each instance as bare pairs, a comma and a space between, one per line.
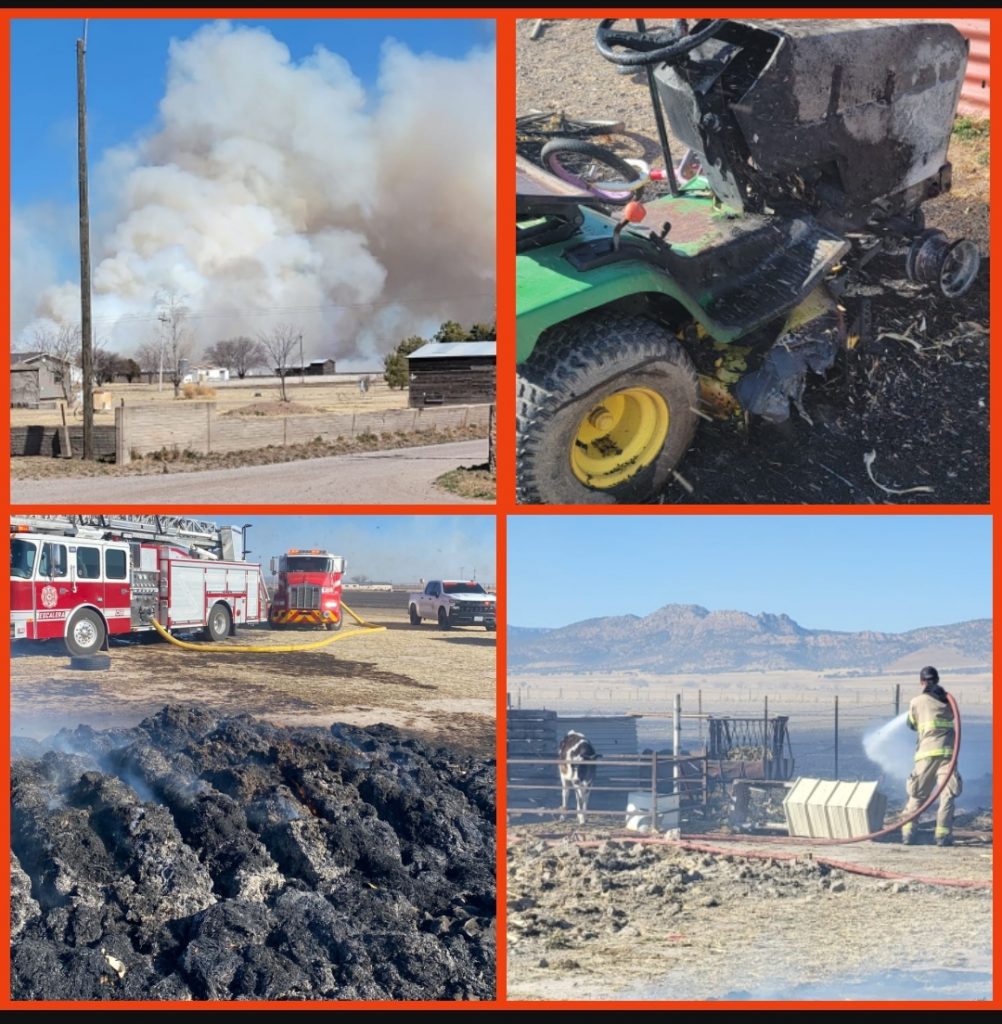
974, 96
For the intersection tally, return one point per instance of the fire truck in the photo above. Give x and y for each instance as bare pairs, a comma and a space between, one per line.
84, 578
308, 592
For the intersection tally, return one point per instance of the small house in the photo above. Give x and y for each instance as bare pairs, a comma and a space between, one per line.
453, 373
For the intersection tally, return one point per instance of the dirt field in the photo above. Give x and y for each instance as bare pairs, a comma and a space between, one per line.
622, 921
438, 685
921, 405
261, 399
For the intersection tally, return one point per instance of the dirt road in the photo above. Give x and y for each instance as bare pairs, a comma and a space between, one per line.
439, 685
397, 475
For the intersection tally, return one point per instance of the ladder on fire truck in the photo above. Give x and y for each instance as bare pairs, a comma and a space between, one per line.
195, 533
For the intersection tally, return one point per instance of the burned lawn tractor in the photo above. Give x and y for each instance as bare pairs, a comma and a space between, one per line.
812, 147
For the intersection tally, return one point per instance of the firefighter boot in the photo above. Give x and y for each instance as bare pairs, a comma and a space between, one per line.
908, 836
944, 840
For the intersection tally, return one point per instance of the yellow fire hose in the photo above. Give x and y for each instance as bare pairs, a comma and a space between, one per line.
280, 648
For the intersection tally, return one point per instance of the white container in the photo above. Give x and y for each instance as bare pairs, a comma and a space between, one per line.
823, 809
638, 812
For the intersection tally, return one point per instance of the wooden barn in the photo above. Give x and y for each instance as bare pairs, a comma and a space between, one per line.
36, 377
453, 373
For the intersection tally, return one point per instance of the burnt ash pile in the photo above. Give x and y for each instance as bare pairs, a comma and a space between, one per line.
202, 858
914, 392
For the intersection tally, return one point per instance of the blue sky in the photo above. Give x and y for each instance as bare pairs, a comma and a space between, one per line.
126, 66
855, 572
396, 549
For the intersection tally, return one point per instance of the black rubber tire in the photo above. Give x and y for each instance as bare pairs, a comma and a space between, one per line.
443, 619
86, 634
572, 366
335, 626
218, 624
415, 618
93, 663
566, 159
491, 627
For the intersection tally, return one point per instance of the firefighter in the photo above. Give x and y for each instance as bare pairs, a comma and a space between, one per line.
931, 716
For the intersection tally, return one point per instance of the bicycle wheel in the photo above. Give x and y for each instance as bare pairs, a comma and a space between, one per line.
587, 166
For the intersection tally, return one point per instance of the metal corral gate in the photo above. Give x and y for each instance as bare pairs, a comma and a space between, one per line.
534, 785
749, 748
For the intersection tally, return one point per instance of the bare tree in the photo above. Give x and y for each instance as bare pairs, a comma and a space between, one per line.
239, 355
63, 346
149, 355
280, 345
175, 338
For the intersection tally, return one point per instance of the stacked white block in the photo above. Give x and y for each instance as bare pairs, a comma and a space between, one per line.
826, 809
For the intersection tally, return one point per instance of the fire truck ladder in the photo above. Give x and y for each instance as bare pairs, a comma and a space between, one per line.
199, 533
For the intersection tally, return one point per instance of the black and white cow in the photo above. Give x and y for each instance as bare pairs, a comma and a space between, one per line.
577, 770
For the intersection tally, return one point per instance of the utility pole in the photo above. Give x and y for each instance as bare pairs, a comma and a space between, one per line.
302, 366
162, 346
86, 354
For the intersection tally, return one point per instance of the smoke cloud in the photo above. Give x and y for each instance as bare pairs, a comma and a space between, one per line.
281, 192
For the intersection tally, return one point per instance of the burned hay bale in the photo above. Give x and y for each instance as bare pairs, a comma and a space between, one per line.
196, 858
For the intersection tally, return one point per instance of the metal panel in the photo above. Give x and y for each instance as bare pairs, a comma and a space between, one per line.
795, 807
975, 95
817, 808
866, 809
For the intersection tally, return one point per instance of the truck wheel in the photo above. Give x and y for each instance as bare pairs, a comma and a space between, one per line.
86, 634
443, 619
606, 410
217, 626
338, 623
415, 618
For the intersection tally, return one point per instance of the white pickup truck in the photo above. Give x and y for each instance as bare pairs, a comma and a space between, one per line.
454, 603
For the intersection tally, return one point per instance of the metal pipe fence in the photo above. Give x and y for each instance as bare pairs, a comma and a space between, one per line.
647, 777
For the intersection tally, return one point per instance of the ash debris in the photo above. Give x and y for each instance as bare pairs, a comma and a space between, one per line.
196, 858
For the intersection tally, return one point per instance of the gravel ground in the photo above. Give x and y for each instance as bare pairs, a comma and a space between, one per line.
920, 405
625, 921
436, 685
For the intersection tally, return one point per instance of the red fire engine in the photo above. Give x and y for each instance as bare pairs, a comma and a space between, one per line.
308, 592
85, 577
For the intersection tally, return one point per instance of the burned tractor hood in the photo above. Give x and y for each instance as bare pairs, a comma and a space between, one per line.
850, 116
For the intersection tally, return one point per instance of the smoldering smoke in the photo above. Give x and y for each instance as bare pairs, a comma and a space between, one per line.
279, 192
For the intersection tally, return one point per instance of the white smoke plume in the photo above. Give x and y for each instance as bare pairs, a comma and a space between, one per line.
280, 192
891, 746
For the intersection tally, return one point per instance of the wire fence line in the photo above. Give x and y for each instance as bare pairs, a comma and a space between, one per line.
646, 700
826, 728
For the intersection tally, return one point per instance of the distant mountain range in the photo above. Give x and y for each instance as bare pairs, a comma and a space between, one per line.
688, 638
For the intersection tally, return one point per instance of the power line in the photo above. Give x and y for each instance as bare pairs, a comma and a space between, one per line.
143, 318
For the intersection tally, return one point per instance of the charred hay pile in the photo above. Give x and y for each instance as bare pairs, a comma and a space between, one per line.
201, 858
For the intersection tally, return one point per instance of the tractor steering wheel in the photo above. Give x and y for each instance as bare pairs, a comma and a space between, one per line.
654, 46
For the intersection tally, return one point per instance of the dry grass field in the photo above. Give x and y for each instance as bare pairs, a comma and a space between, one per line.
240, 398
